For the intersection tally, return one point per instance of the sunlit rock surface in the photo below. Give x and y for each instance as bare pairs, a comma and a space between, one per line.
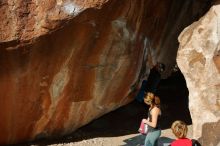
64, 63
199, 60
29, 19
55, 83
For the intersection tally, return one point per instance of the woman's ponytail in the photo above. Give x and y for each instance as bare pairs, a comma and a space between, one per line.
156, 100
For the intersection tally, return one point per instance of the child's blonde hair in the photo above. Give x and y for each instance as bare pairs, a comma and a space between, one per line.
179, 129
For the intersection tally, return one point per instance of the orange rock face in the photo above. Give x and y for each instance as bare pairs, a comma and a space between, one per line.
30, 19
64, 63
53, 82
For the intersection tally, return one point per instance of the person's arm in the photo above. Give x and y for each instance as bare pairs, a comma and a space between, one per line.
144, 120
154, 112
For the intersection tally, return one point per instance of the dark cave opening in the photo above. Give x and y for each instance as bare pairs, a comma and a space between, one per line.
174, 98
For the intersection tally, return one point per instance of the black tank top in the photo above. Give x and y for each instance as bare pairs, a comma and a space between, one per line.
158, 121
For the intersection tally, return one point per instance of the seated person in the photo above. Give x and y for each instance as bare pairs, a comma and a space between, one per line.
179, 129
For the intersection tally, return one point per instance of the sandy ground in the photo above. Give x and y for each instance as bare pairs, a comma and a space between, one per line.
126, 140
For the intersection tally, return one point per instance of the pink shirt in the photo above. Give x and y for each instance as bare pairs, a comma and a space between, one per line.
182, 142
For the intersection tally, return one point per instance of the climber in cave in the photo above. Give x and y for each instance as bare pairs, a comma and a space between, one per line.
151, 84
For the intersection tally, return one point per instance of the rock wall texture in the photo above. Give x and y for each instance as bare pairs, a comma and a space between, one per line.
64, 63
53, 82
199, 59
64, 79
31, 18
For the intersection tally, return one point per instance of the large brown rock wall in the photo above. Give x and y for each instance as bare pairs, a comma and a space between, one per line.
64, 63
62, 80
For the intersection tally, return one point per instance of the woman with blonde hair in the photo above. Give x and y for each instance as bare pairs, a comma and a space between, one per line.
153, 120
180, 129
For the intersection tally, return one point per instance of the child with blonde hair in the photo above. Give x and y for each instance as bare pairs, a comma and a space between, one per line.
179, 129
